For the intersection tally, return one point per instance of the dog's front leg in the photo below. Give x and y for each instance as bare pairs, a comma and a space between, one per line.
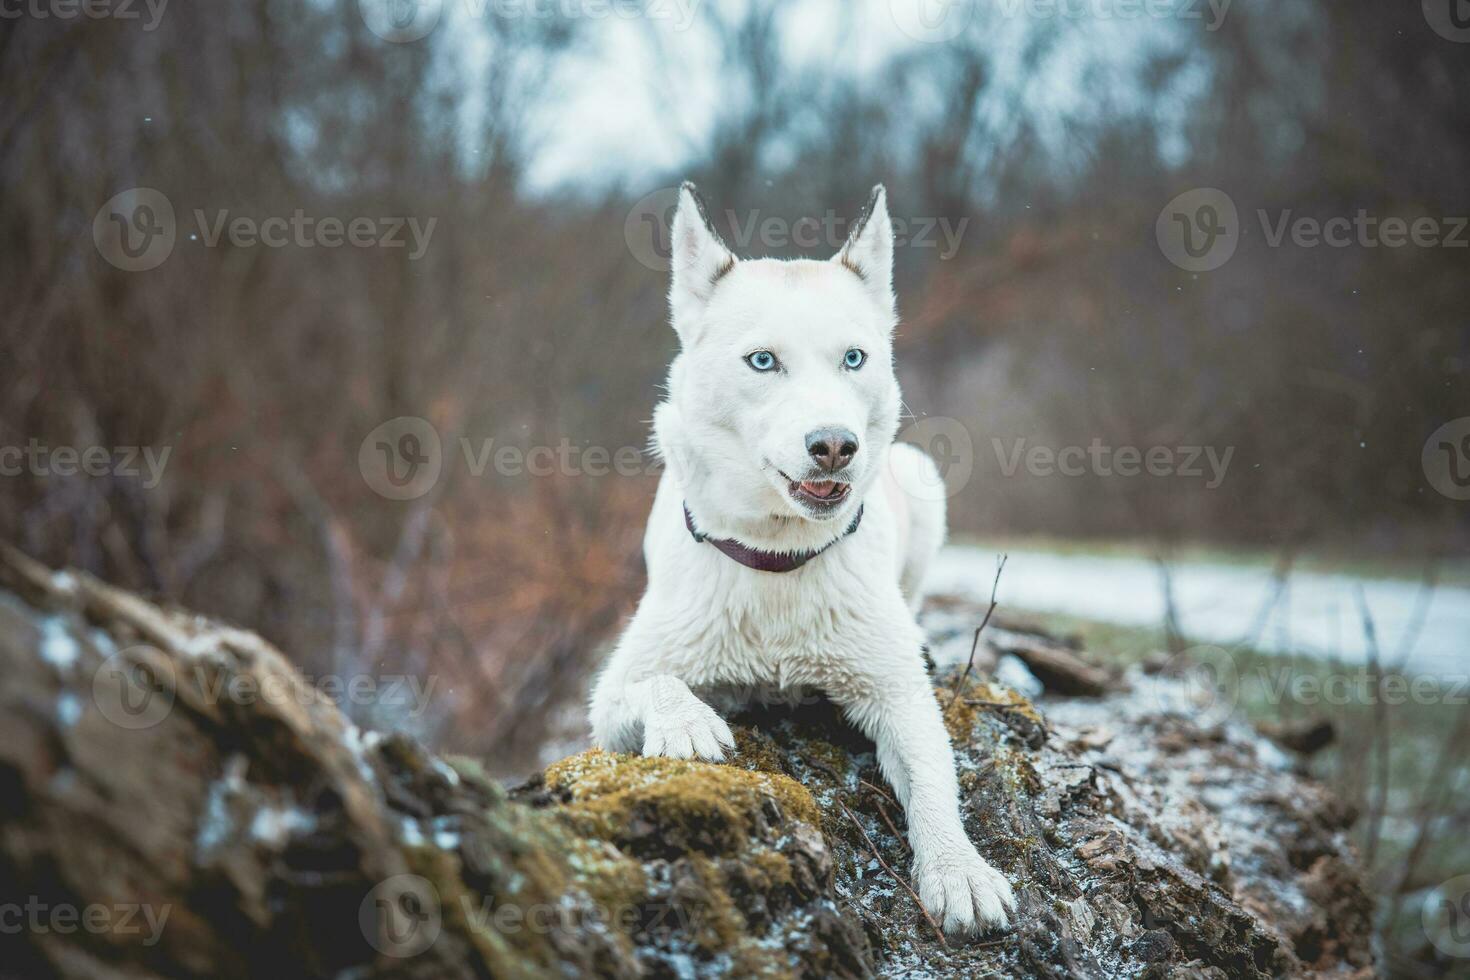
635, 707
901, 716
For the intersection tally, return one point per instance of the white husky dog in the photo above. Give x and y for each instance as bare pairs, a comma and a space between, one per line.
778, 440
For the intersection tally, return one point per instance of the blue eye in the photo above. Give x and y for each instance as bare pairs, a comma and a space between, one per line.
761, 360
854, 359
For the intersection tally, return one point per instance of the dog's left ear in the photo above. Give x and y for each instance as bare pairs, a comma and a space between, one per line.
868, 252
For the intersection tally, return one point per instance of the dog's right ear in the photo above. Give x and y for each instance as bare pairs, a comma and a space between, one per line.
868, 253
698, 260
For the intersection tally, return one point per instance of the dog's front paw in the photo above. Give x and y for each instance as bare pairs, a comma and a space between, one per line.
683, 727
962, 890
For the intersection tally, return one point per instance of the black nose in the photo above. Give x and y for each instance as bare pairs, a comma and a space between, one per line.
832, 448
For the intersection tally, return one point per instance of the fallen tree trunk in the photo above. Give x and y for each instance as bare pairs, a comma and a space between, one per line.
179, 801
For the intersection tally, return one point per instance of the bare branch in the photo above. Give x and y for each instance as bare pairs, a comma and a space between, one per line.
907, 887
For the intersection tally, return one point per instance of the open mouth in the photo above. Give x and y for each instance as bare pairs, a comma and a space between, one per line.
820, 494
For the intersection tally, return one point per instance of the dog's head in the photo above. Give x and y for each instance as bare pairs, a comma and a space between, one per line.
783, 399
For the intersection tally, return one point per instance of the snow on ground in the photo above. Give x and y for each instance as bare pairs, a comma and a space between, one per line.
1317, 614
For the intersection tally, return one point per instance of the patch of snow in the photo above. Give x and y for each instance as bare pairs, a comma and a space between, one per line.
1317, 614
682, 965
359, 743
58, 647
275, 826
1013, 673
1270, 755
446, 833
447, 771
69, 709
217, 824
201, 645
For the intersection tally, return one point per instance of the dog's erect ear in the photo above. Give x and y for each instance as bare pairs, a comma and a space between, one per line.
697, 259
868, 252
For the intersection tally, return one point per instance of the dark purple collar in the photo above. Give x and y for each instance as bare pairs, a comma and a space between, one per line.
767, 561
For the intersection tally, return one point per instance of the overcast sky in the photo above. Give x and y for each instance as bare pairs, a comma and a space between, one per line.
637, 98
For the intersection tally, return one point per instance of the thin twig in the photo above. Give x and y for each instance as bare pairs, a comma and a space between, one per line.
879, 790
954, 691
1173, 634
883, 812
907, 887
1000, 566
1380, 730
1421, 609
1432, 801
1280, 574
993, 942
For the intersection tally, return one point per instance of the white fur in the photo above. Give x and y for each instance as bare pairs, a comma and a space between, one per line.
710, 629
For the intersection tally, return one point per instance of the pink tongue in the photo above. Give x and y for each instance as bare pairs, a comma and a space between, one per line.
821, 488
